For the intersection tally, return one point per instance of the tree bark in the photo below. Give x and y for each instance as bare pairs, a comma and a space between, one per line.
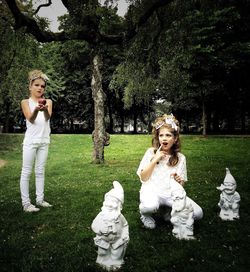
204, 119
122, 123
99, 97
111, 120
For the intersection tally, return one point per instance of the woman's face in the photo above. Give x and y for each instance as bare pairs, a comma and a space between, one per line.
37, 88
166, 139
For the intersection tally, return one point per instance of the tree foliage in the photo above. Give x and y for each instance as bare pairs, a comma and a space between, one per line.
192, 55
18, 53
191, 59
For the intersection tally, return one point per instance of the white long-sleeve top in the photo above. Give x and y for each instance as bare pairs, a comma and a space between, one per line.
160, 177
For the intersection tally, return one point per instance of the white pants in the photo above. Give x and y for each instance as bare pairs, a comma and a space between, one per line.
37, 153
150, 200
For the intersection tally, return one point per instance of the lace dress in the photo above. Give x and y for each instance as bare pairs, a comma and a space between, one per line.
160, 181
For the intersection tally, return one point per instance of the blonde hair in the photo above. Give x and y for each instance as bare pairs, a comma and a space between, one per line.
35, 74
172, 124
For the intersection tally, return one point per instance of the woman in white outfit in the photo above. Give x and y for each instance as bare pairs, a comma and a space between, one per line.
162, 170
37, 111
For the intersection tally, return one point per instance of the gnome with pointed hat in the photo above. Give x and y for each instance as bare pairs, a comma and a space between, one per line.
111, 228
229, 198
182, 215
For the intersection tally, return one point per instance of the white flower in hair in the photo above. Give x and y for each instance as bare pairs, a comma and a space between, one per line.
169, 120
44, 77
35, 74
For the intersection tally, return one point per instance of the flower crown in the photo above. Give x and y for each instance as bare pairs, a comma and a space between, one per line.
42, 76
169, 120
37, 74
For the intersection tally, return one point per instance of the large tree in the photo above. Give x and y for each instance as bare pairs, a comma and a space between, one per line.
87, 21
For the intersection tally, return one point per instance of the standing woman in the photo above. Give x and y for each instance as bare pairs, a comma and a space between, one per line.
37, 111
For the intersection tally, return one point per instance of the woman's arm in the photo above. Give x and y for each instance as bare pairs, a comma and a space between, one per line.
147, 171
47, 109
30, 116
181, 175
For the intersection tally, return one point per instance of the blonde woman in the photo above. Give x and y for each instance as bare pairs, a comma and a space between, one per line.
37, 111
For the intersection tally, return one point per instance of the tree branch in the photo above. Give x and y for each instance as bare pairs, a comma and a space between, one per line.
66, 3
43, 5
23, 20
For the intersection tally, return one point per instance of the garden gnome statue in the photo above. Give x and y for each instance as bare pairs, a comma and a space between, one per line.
182, 215
111, 228
229, 198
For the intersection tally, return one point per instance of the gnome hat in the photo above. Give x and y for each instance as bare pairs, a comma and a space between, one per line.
229, 178
117, 192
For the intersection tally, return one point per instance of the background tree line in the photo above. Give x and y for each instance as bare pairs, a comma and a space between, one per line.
188, 57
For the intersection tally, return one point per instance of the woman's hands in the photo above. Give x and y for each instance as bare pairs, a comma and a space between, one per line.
46, 108
178, 179
42, 107
159, 154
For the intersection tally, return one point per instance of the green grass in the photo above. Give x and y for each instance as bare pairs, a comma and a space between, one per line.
60, 238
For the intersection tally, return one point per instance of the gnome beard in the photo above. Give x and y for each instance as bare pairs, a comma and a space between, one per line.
110, 213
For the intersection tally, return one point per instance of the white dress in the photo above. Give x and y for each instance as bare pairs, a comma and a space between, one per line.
156, 191
160, 179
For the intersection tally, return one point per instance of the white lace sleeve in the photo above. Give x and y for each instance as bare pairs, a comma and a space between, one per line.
182, 167
145, 161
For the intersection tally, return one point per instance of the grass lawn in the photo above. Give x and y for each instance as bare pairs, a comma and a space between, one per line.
60, 238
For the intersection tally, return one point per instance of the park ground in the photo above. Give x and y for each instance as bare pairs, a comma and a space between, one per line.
60, 238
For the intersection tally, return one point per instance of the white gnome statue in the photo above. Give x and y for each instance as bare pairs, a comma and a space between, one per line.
182, 215
229, 198
112, 231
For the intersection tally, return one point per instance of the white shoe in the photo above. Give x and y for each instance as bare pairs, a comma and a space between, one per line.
148, 222
43, 204
30, 208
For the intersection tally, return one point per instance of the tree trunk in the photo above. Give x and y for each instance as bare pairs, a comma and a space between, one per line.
135, 115
135, 122
111, 120
122, 123
98, 96
204, 119
208, 120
